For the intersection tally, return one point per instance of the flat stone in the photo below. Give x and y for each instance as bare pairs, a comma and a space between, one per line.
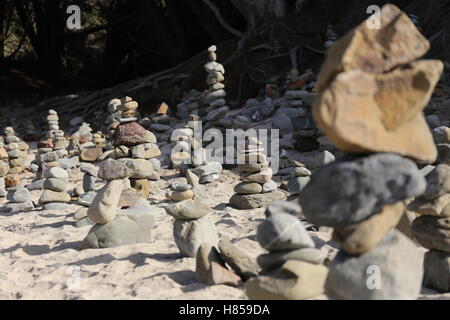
248, 188
262, 177
188, 209
36, 185
13, 208
18, 195
213, 167
254, 201
91, 154
396, 262
297, 184
349, 191
112, 170
87, 198
180, 195
432, 232
56, 185
439, 207
438, 182
274, 260
49, 196
56, 173
295, 280
140, 168
56, 206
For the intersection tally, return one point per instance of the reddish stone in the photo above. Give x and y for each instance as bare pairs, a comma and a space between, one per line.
45, 144
296, 85
91, 154
129, 135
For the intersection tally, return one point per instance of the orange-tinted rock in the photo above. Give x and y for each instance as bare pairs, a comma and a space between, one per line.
12, 180
163, 109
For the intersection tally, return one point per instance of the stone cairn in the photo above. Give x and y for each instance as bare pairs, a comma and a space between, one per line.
55, 196
17, 151
19, 200
114, 115
432, 228
81, 139
370, 106
87, 192
293, 269
214, 100
4, 166
190, 156
135, 147
258, 189
55, 133
192, 227
115, 226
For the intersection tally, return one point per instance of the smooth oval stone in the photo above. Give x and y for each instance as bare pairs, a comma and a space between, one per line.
19, 195
283, 231
177, 186
55, 185
112, 170
273, 260
188, 209
49, 196
181, 195
57, 173
248, 188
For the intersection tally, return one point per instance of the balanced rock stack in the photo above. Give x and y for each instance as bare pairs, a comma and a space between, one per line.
192, 227
89, 178
55, 196
19, 200
180, 191
4, 166
54, 133
363, 195
258, 188
432, 228
112, 121
135, 147
215, 98
82, 139
293, 267
115, 226
17, 151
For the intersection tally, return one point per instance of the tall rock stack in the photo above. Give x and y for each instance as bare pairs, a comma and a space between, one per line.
114, 115
55, 196
115, 226
432, 228
17, 151
4, 167
372, 93
293, 267
55, 133
258, 189
135, 147
82, 139
215, 103
192, 227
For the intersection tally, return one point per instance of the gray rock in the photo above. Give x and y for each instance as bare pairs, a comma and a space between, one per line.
433, 121
208, 169
190, 234
438, 182
13, 208
55, 184
209, 179
192, 178
88, 182
56, 206
243, 264
156, 164
284, 207
34, 168
83, 222
36, 185
254, 201
274, 260
396, 263
297, 184
87, 198
347, 192
89, 169
177, 186
269, 186
283, 231
218, 113
112, 170
437, 270
18, 195
57, 173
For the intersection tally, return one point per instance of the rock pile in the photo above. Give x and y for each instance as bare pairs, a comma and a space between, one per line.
362, 196
432, 228
192, 227
4, 166
112, 121
115, 226
17, 151
214, 101
55, 196
55, 133
293, 267
86, 197
258, 189
180, 192
19, 200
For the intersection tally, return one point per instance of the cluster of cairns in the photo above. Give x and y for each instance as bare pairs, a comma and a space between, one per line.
55, 196
17, 151
370, 106
258, 189
432, 227
293, 268
116, 223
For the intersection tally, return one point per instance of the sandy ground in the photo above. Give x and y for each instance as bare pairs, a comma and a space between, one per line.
40, 260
